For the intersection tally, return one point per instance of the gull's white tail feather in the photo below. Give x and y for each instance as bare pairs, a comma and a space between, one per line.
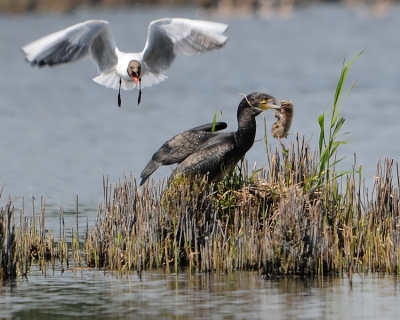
111, 80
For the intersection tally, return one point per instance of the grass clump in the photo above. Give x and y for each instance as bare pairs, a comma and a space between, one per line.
30, 242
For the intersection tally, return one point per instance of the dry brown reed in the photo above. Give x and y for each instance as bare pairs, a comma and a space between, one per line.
29, 243
271, 220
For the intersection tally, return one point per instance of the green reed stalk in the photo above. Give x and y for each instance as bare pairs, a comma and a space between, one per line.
329, 143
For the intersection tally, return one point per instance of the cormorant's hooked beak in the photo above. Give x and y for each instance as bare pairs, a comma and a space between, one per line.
271, 105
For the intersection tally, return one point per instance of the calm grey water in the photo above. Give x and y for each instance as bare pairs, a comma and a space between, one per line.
61, 132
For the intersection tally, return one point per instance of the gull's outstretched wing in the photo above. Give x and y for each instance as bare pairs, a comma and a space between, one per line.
93, 38
168, 38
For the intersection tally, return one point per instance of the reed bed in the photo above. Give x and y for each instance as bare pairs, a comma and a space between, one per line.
271, 223
298, 216
31, 242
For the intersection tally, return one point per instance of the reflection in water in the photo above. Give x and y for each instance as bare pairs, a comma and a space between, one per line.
240, 295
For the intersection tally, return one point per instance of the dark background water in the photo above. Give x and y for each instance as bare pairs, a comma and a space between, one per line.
61, 132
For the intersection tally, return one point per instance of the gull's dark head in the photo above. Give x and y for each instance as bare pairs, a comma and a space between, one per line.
134, 69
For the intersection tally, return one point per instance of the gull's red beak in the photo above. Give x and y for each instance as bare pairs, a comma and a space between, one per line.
135, 77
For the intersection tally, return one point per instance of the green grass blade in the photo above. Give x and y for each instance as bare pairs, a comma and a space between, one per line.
343, 77
214, 122
321, 121
338, 125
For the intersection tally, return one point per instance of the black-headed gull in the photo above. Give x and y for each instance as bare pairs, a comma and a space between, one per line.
166, 39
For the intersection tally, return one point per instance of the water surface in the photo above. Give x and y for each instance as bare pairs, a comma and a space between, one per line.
92, 294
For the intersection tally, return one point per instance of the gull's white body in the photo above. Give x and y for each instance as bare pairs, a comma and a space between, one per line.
166, 39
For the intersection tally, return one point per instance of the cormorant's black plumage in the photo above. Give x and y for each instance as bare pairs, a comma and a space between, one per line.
200, 151
179, 147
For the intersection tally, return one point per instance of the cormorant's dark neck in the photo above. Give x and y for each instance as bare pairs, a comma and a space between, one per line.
246, 129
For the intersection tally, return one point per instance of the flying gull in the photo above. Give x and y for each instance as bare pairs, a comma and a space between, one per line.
166, 39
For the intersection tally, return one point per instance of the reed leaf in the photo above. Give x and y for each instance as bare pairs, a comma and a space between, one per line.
343, 76
328, 142
214, 122
321, 121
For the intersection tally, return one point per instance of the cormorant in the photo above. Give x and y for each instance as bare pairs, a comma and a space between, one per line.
199, 151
